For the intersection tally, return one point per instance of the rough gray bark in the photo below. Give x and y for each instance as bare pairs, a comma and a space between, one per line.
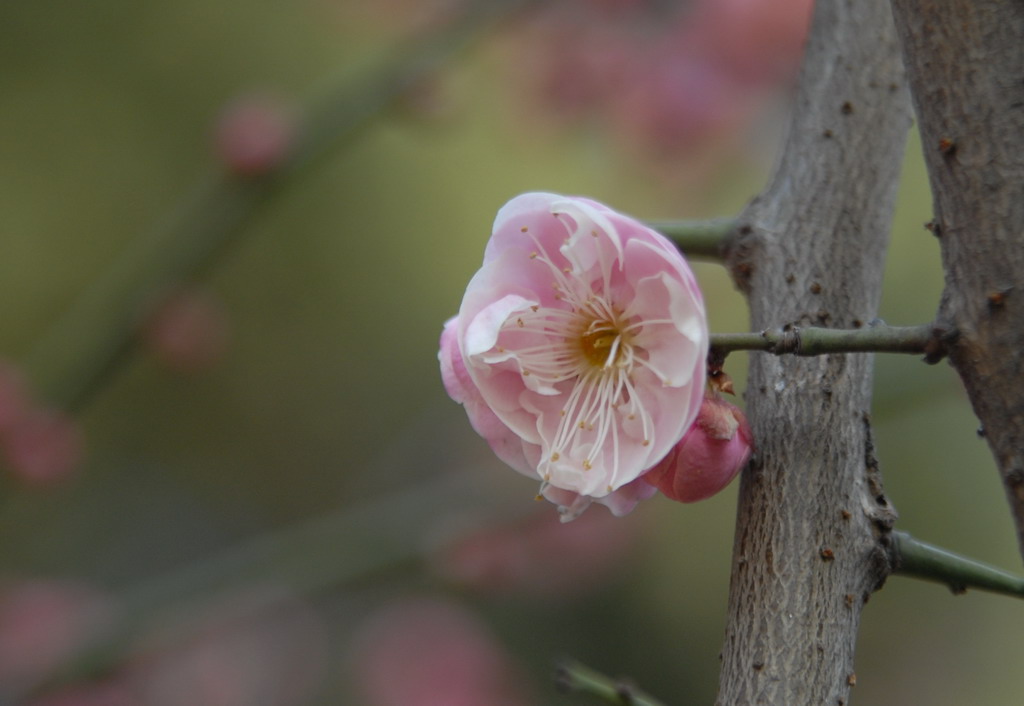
965, 65
812, 524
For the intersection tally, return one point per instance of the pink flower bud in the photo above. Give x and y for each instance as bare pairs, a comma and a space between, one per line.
254, 135
713, 451
42, 445
188, 332
42, 623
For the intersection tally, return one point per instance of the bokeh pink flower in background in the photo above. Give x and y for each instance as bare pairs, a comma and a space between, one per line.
39, 445
255, 134
42, 622
264, 648
666, 78
538, 556
662, 79
579, 349
188, 330
713, 451
430, 652
261, 647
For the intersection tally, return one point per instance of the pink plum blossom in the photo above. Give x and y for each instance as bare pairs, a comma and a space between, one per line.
713, 451
579, 349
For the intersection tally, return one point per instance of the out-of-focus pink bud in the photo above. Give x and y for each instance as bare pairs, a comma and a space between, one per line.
426, 652
41, 624
529, 556
710, 455
429, 99
255, 134
188, 332
42, 445
38, 444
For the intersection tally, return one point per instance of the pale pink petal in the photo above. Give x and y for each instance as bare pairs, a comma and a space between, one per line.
507, 445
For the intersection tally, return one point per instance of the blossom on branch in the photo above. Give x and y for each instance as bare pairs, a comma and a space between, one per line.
579, 349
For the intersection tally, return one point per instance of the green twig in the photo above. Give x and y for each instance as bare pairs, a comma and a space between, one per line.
89, 342
814, 340
697, 239
571, 676
931, 563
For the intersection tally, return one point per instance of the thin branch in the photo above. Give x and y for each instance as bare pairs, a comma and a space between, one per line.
815, 340
922, 560
74, 359
698, 239
325, 553
571, 676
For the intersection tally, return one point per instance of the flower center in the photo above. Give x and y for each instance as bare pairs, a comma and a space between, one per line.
584, 353
602, 345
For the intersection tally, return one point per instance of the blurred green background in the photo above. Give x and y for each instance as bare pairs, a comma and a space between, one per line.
329, 392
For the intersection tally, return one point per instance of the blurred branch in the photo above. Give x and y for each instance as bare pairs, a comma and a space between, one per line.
320, 555
815, 340
571, 676
922, 560
89, 342
697, 239
963, 60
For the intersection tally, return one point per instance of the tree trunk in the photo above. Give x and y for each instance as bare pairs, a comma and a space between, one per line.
965, 64
812, 525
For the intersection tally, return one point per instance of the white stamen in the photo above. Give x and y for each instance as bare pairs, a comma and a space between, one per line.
585, 340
